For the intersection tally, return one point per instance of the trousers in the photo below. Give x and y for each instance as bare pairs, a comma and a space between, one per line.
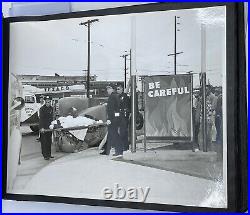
123, 133
46, 141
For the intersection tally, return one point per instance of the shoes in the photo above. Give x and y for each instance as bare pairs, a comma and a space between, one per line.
126, 151
117, 156
38, 139
46, 159
103, 153
51, 157
196, 150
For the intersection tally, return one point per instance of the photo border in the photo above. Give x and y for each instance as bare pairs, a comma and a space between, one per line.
236, 107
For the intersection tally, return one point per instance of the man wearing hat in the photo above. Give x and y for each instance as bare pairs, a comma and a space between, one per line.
46, 117
124, 108
42, 102
113, 116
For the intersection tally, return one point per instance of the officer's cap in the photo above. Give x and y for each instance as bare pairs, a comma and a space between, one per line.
47, 98
111, 85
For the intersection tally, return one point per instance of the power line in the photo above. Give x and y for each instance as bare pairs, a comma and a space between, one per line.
175, 42
124, 56
88, 24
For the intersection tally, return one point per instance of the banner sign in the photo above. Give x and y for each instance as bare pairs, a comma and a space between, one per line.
168, 107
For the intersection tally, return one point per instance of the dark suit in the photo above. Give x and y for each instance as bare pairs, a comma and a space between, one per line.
218, 120
124, 108
112, 110
46, 117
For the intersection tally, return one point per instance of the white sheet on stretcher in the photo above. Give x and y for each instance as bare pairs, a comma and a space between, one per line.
69, 121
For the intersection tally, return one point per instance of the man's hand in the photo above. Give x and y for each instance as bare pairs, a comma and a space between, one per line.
42, 130
108, 122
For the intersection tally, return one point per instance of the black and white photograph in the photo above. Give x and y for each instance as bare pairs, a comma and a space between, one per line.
128, 107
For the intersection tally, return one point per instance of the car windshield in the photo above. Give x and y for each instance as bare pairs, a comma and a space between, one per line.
29, 99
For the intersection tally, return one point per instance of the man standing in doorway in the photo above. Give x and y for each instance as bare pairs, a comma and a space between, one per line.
46, 117
124, 109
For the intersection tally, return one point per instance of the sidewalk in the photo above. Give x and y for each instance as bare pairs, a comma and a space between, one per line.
86, 174
177, 159
31, 159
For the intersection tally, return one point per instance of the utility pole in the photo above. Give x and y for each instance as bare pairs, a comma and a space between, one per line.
130, 62
125, 68
175, 42
88, 24
203, 86
133, 84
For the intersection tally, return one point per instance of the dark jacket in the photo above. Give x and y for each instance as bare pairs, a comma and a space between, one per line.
46, 117
112, 108
124, 105
218, 108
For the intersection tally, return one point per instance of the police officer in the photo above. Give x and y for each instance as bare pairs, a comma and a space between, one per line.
113, 122
42, 102
124, 109
46, 117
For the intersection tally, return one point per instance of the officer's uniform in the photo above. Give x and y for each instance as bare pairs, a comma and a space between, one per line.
113, 116
46, 117
124, 109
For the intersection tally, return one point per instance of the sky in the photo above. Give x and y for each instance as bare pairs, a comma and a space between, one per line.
60, 46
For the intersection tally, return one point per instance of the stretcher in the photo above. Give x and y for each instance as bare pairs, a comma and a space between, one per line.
65, 141
76, 127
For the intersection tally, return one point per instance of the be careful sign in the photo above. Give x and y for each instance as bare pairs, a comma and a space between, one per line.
168, 107
156, 91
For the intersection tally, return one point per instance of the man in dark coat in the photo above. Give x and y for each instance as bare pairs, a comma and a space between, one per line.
113, 122
124, 109
219, 128
42, 102
46, 117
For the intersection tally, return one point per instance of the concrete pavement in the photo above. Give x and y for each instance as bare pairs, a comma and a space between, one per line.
86, 174
31, 159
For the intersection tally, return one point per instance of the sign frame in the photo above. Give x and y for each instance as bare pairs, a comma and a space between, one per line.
169, 138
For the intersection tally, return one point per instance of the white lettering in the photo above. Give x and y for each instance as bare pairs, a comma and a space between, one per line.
174, 91
156, 93
162, 93
157, 85
169, 92
151, 86
180, 90
186, 90
150, 93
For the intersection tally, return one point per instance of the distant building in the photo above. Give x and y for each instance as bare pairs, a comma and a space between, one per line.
65, 84
53, 81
